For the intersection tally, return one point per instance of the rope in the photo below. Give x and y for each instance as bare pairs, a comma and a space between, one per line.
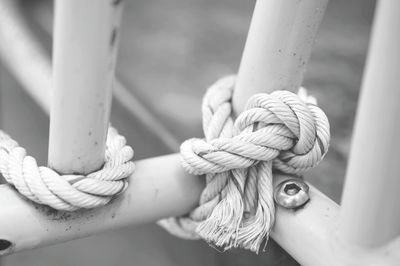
67, 192
280, 131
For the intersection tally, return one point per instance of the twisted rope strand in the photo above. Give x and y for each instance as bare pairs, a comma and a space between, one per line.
278, 131
67, 192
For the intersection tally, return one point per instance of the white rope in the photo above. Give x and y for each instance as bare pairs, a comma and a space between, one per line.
278, 131
67, 192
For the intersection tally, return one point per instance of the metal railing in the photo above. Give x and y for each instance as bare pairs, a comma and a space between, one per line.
365, 232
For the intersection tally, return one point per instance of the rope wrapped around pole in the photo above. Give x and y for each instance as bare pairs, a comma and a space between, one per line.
67, 192
280, 131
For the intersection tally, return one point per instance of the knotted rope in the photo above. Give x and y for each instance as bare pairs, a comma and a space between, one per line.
67, 192
280, 131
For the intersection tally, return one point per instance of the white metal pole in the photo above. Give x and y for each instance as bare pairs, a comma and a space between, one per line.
278, 47
2, 243
370, 214
159, 188
85, 44
28, 61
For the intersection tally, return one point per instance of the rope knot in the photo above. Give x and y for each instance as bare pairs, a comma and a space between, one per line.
278, 131
67, 192
282, 127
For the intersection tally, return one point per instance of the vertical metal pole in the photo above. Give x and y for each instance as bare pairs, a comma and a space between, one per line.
1, 115
85, 45
278, 47
370, 213
2, 76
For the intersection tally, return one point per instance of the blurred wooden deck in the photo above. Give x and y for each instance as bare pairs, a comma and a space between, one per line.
170, 51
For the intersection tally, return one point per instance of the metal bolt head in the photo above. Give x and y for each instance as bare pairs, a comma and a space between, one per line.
292, 193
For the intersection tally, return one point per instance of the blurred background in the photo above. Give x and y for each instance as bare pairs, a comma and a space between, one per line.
171, 51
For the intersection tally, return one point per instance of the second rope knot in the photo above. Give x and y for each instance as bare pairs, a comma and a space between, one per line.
279, 131
283, 127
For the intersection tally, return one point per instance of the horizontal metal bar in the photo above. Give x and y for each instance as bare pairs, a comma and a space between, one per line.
160, 188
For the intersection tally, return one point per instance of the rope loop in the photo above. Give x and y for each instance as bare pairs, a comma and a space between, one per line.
67, 192
278, 131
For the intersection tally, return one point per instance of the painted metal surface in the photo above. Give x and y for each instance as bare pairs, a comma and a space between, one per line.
310, 235
278, 47
63, 232
294, 227
84, 51
371, 209
159, 188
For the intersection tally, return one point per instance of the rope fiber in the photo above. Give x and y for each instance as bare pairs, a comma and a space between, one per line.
67, 192
280, 131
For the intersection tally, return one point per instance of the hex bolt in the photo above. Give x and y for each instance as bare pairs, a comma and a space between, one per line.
292, 193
